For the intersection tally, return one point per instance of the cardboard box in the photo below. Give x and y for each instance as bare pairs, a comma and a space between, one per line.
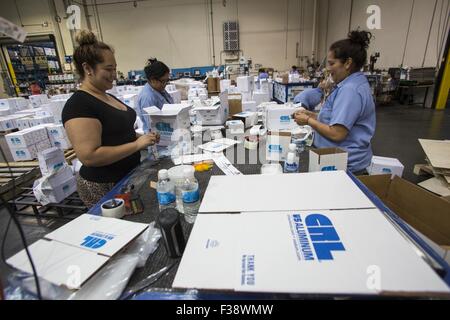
248, 118
63, 144
279, 117
87, 242
260, 97
216, 114
24, 154
130, 100
235, 126
213, 84
383, 165
249, 106
235, 103
43, 145
327, 159
245, 83
277, 145
51, 160
6, 123
170, 118
424, 211
56, 131
314, 259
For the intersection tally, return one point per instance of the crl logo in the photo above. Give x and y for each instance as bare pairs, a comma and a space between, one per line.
275, 148
284, 119
329, 168
164, 127
323, 236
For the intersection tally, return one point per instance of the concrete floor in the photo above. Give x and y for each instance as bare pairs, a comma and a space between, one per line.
398, 128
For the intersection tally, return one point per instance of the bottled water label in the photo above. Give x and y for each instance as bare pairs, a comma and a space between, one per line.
165, 198
291, 167
191, 196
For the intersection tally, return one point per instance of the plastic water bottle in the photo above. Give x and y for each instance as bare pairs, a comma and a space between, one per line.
291, 165
190, 195
165, 191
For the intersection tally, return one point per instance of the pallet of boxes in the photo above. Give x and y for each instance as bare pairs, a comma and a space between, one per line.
438, 158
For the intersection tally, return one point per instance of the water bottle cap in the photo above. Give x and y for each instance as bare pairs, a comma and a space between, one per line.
163, 174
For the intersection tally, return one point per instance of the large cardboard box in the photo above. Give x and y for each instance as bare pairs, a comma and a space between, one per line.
235, 103
215, 114
327, 159
421, 209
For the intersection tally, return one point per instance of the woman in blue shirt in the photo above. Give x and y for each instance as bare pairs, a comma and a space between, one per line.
154, 92
347, 117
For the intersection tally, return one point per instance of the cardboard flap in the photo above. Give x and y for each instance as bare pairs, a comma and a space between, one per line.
378, 184
424, 211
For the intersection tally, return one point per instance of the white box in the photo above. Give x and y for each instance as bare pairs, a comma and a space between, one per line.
383, 165
24, 154
5, 111
170, 118
63, 190
43, 145
176, 95
277, 145
215, 114
245, 83
55, 107
20, 139
235, 126
130, 100
249, 106
225, 85
38, 99
51, 160
7, 123
279, 117
8, 103
63, 144
327, 159
56, 131
87, 242
248, 118
23, 123
260, 97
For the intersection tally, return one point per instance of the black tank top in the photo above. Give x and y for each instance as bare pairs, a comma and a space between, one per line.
117, 129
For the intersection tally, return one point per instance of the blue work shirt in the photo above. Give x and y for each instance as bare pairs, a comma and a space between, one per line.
149, 97
351, 104
309, 98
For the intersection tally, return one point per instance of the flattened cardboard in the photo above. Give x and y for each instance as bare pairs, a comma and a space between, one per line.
284, 192
438, 152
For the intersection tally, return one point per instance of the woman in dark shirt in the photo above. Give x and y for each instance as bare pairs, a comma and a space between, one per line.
99, 126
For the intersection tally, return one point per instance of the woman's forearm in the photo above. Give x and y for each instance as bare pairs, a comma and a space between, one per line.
106, 155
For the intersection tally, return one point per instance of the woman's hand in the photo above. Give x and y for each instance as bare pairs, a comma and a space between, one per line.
302, 117
147, 140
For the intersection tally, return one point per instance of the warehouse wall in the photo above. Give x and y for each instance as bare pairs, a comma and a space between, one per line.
390, 41
178, 32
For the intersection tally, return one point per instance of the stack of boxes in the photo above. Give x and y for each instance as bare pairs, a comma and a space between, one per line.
58, 181
245, 85
26, 144
38, 100
58, 137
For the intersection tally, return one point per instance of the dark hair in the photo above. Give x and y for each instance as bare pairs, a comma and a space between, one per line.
89, 50
155, 69
294, 67
355, 47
